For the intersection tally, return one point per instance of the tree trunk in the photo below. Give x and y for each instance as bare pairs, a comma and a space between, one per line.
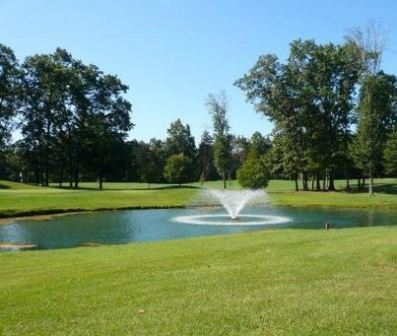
37, 176
359, 183
318, 187
224, 180
296, 183
313, 178
61, 178
363, 183
46, 176
76, 178
331, 186
371, 180
347, 177
304, 181
100, 182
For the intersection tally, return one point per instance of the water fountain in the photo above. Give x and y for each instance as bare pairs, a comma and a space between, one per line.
233, 201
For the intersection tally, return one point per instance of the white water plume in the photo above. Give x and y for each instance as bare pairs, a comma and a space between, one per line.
234, 201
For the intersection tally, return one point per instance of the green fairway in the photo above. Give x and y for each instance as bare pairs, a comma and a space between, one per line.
286, 282
49, 200
21, 199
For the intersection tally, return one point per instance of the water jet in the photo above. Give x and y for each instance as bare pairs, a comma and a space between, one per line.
234, 202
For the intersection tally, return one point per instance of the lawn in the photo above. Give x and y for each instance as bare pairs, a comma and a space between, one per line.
21, 199
51, 200
286, 282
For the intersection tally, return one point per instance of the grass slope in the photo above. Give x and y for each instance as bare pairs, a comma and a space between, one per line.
21, 199
286, 282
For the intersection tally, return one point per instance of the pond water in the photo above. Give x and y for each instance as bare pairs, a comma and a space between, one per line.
127, 226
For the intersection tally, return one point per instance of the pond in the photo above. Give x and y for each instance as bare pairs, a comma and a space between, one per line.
127, 226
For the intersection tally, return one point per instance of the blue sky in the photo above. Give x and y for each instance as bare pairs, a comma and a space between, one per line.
172, 53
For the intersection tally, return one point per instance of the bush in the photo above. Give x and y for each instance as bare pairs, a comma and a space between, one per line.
176, 169
253, 173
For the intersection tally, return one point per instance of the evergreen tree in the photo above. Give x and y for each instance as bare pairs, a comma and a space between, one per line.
180, 140
205, 158
253, 173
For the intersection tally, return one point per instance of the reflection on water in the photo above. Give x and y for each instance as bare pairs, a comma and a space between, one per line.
144, 225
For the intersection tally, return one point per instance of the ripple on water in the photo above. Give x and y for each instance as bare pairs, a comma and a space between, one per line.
242, 220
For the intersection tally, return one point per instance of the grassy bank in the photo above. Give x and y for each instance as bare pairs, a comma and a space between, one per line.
49, 200
20, 199
286, 282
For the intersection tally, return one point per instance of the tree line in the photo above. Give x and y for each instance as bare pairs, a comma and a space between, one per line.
74, 120
333, 108
334, 111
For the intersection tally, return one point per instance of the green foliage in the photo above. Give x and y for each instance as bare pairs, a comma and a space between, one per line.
390, 155
261, 144
222, 145
310, 100
253, 173
205, 156
239, 151
377, 117
10, 99
176, 169
222, 155
180, 140
74, 117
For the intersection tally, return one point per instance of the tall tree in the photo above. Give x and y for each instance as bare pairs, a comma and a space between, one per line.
310, 100
376, 119
217, 105
9, 97
261, 144
205, 157
180, 140
45, 85
154, 161
108, 122
72, 117
372, 40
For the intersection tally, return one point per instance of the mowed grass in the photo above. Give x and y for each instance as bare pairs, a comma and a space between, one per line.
49, 200
385, 196
22, 199
285, 282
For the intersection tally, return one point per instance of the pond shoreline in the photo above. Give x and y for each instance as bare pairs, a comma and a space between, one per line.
51, 213
43, 214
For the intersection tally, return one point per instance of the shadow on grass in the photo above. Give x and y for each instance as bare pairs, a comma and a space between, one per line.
381, 188
169, 187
